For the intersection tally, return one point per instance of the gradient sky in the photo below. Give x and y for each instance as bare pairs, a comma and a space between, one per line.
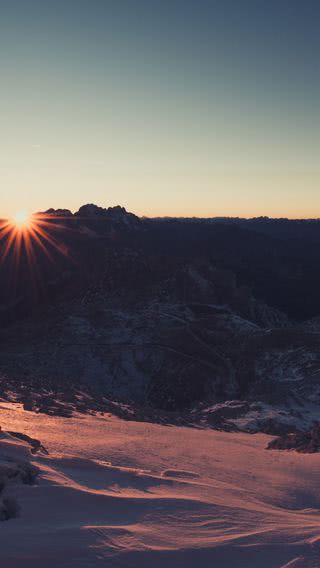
168, 107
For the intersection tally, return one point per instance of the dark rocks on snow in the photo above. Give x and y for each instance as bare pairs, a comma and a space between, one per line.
35, 444
303, 442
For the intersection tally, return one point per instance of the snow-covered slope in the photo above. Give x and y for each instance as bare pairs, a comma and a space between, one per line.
169, 356
129, 494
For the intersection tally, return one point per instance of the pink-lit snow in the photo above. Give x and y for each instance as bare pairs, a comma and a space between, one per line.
130, 495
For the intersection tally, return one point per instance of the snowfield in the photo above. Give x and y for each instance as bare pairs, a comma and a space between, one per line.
129, 494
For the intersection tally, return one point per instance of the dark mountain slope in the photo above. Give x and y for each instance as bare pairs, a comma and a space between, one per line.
167, 313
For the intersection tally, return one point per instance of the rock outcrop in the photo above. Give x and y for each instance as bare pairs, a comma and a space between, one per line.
303, 442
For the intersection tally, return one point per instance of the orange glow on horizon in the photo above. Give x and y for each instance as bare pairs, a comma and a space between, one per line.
28, 233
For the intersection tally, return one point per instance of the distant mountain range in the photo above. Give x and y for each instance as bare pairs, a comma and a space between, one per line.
180, 315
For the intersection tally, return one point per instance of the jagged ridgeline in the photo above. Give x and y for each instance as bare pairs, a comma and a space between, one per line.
165, 312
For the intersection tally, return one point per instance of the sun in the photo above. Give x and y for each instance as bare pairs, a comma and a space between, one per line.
26, 234
22, 219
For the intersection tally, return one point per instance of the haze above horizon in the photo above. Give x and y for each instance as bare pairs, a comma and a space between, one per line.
172, 108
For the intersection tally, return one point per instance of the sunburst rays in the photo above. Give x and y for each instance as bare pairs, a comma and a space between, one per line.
29, 235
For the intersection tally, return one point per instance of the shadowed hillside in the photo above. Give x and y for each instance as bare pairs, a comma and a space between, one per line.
170, 313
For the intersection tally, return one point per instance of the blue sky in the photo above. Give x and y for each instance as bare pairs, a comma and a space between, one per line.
169, 107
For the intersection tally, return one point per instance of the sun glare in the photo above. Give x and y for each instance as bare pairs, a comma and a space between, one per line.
22, 219
27, 233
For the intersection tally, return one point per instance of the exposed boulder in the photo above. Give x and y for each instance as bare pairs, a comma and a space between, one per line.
14, 469
35, 444
303, 442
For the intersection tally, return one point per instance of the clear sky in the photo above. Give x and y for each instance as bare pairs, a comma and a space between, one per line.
168, 107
